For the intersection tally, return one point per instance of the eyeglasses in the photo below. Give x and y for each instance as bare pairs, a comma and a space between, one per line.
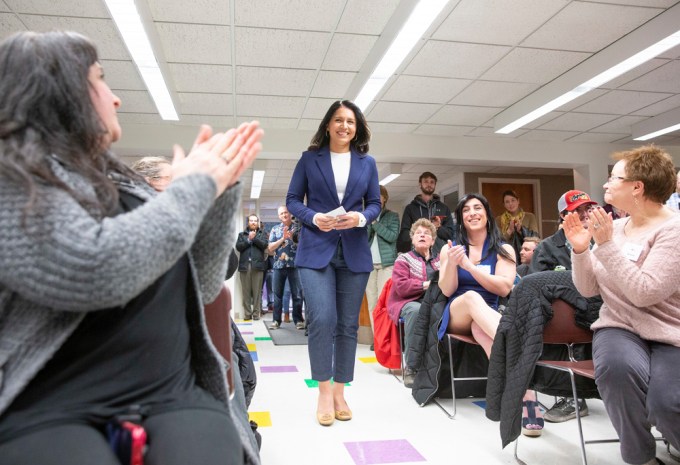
611, 179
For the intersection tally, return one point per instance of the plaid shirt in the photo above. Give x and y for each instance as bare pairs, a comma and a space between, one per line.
284, 256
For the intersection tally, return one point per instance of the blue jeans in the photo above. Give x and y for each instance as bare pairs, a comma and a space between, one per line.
279, 282
333, 296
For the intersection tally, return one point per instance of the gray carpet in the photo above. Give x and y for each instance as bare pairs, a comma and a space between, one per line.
286, 335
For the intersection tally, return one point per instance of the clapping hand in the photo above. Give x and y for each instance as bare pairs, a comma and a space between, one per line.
601, 225
224, 155
578, 236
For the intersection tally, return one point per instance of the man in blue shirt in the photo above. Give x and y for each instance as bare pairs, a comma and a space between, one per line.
283, 243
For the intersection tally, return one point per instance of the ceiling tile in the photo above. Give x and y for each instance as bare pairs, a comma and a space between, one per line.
315, 109
538, 134
443, 130
543, 119
378, 127
214, 12
102, 31
348, 52
463, 116
455, 60
496, 21
122, 75
292, 14
634, 73
484, 131
493, 93
274, 81
577, 122
647, 3
269, 106
585, 98
272, 123
279, 48
309, 124
594, 24
215, 121
195, 43
595, 138
533, 65
139, 118
362, 17
661, 106
201, 78
622, 102
620, 125
424, 89
9, 24
79, 8
402, 112
136, 101
205, 104
662, 79
332, 84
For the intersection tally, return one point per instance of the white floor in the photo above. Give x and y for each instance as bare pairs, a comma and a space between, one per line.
388, 426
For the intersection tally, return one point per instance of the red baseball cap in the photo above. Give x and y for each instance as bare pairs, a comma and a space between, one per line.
571, 200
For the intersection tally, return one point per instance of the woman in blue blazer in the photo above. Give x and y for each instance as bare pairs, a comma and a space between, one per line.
333, 256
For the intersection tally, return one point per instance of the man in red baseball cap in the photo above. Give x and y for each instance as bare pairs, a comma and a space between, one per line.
554, 253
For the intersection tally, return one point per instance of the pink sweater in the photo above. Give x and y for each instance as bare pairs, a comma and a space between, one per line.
408, 275
643, 295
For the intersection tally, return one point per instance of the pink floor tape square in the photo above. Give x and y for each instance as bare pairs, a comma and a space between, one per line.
279, 369
392, 451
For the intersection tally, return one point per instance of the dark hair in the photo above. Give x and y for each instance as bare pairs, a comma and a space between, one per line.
45, 110
361, 138
427, 175
654, 167
492, 233
511, 193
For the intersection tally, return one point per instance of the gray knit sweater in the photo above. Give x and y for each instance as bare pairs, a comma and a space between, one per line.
64, 261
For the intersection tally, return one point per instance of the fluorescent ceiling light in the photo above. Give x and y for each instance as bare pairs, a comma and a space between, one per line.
388, 179
389, 172
657, 126
129, 23
415, 26
256, 185
595, 82
660, 132
638, 46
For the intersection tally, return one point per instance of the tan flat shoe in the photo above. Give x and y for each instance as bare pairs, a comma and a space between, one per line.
325, 419
343, 415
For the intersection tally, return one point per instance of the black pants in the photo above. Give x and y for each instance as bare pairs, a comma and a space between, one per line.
179, 437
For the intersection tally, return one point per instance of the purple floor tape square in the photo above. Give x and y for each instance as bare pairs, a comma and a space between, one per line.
279, 369
243, 333
373, 452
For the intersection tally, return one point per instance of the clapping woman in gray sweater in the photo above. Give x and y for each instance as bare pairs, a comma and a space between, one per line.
102, 282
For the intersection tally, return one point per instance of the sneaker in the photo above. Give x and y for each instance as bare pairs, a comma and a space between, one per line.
275, 325
300, 325
564, 410
409, 377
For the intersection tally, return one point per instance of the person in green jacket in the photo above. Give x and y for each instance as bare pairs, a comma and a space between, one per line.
382, 237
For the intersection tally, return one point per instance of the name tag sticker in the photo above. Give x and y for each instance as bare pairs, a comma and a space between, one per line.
485, 268
632, 251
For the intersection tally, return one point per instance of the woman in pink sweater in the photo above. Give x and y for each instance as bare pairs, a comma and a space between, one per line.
636, 347
410, 279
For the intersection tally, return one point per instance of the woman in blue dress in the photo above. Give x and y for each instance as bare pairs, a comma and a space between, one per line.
475, 271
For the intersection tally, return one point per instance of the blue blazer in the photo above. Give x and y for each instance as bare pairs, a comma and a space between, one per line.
313, 178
